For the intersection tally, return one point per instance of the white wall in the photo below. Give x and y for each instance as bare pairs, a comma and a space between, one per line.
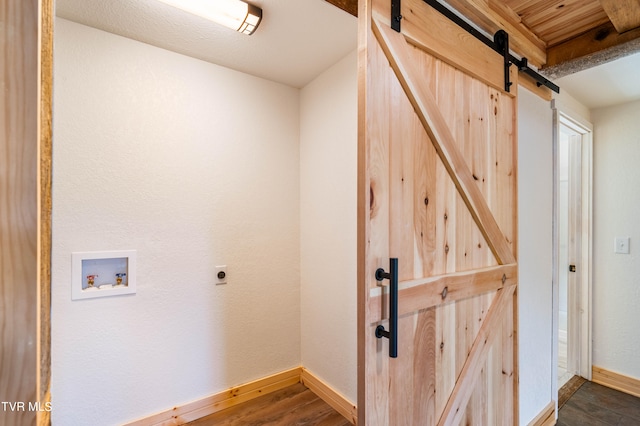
535, 222
192, 165
571, 107
328, 198
616, 209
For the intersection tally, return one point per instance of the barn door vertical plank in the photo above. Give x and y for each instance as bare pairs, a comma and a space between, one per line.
424, 369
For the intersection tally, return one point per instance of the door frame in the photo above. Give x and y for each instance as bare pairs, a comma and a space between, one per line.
581, 313
29, 36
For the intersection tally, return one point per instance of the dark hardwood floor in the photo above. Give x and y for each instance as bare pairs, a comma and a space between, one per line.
596, 405
294, 405
590, 405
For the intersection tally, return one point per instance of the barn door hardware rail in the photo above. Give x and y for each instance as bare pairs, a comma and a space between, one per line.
499, 44
392, 334
396, 15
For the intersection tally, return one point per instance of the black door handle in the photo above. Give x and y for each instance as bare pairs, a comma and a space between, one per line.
392, 334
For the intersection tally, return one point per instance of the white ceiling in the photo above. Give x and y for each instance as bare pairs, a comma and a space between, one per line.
605, 85
296, 40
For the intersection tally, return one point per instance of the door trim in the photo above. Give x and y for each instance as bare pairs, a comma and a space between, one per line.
45, 204
563, 115
28, 51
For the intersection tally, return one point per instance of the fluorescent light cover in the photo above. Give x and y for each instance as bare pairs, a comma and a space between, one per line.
234, 14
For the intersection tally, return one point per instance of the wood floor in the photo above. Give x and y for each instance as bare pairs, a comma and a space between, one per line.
596, 405
294, 405
590, 405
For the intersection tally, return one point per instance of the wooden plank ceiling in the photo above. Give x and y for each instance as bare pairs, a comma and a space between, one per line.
559, 36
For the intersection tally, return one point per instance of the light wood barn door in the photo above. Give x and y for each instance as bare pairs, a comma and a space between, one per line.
437, 191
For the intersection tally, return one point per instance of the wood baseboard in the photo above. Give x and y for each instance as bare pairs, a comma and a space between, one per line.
615, 381
547, 416
212, 404
330, 396
180, 415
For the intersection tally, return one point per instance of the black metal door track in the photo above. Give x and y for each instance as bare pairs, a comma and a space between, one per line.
499, 44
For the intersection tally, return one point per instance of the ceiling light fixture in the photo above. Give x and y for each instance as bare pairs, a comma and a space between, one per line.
234, 14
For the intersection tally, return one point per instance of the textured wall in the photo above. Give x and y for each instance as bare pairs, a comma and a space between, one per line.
616, 208
328, 199
535, 210
192, 165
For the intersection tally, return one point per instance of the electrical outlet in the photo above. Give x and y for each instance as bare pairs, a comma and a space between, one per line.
221, 274
622, 245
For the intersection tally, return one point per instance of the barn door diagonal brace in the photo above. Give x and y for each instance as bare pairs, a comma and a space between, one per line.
499, 44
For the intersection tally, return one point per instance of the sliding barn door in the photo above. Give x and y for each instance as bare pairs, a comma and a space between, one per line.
437, 192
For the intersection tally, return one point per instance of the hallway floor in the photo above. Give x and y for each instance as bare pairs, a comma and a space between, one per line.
597, 405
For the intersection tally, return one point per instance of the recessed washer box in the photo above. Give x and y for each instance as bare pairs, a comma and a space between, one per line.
102, 273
